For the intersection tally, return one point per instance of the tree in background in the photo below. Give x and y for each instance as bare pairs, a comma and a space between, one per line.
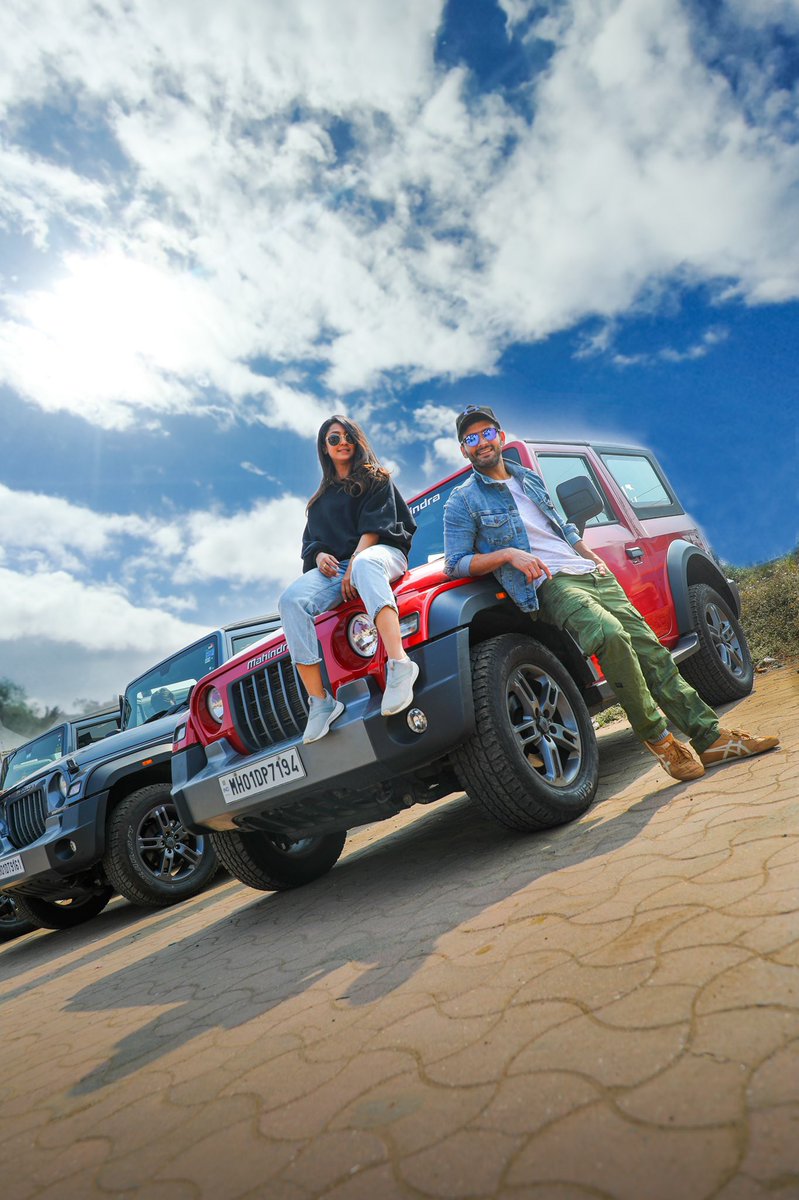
17, 714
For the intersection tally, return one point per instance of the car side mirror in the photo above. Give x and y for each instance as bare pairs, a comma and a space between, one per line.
580, 500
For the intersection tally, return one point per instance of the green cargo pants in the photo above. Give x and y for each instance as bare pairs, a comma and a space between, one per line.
595, 610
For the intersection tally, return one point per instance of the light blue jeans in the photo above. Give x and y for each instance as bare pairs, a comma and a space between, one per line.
313, 593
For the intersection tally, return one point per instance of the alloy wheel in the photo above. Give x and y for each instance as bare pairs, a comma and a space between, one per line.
545, 725
166, 848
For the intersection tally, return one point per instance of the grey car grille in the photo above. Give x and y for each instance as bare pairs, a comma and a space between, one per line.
26, 817
269, 706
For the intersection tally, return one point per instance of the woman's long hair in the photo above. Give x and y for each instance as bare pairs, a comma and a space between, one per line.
366, 469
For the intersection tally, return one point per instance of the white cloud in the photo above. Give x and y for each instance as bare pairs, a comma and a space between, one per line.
31, 521
301, 187
69, 631
260, 545
54, 605
601, 341
762, 13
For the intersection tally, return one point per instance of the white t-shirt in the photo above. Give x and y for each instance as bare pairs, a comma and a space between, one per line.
550, 547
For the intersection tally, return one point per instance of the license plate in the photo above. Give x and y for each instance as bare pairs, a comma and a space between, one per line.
270, 773
11, 866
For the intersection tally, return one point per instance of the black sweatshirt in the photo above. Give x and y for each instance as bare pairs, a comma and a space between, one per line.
337, 520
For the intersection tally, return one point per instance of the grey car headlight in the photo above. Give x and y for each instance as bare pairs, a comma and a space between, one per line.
362, 635
214, 705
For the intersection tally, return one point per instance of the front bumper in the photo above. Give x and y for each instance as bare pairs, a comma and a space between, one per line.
72, 842
354, 774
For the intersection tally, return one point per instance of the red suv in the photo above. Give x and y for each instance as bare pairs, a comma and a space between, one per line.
502, 705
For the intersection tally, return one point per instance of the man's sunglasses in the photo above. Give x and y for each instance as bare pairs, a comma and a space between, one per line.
490, 434
333, 439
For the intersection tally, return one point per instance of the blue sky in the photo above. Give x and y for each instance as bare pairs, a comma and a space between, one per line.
220, 223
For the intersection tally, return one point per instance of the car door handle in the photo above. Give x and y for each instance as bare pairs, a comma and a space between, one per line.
635, 553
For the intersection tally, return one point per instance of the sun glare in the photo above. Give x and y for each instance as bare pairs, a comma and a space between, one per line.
111, 328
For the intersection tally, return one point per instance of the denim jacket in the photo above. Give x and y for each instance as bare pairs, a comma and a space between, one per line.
481, 516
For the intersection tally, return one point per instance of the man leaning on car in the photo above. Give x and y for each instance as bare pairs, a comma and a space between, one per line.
501, 521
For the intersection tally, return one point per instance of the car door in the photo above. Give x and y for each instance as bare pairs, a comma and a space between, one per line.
615, 534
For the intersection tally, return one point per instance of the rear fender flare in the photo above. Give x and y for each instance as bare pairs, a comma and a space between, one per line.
687, 564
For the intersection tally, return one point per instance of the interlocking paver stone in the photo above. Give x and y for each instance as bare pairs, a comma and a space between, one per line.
606, 1011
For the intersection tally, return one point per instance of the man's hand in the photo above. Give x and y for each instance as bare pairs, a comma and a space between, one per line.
584, 551
530, 566
327, 563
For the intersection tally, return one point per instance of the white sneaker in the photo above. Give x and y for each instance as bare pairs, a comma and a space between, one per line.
401, 675
321, 716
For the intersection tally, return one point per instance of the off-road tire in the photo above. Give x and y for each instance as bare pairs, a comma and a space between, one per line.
130, 861
52, 914
260, 861
493, 767
11, 923
720, 637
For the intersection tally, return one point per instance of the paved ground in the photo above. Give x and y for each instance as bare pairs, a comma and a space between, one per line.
609, 1010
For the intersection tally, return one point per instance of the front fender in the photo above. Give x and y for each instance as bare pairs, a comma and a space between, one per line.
458, 606
687, 564
144, 759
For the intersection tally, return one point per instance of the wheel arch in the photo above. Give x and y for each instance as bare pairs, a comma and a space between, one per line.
687, 564
117, 780
487, 612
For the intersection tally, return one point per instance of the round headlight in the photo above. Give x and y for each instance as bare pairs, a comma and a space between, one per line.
62, 785
362, 635
213, 704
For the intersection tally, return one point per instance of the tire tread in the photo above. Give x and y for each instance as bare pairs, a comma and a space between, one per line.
704, 670
233, 849
482, 764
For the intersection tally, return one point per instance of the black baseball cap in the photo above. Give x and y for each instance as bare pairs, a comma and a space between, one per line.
473, 412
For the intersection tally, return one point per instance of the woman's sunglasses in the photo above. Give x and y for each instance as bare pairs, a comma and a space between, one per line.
333, 439
489, 434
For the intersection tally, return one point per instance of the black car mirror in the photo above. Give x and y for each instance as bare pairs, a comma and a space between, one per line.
580, 500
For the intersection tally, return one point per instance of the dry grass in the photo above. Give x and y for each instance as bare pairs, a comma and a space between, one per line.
770, 606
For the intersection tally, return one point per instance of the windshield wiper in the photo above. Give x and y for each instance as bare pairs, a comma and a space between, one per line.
167, 711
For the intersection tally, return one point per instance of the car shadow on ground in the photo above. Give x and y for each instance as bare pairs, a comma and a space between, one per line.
384, 909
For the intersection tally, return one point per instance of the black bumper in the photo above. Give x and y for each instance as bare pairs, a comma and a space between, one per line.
51, 860
361, 771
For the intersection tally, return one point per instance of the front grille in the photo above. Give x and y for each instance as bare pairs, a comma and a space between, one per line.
26, 817
269, 706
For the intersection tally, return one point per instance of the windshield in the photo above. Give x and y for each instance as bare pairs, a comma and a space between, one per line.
428, 513
33, 756
168, 685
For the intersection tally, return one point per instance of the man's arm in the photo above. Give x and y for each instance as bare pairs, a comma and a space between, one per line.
460, 532
529, 564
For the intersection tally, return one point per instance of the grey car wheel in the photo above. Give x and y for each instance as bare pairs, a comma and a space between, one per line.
12, 923
151, 858
722, 669
533, 761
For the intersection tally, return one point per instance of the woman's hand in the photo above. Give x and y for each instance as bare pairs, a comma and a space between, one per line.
348, 589
327, 563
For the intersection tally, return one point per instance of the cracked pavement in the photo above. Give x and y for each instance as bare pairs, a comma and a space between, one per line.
607, 1010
